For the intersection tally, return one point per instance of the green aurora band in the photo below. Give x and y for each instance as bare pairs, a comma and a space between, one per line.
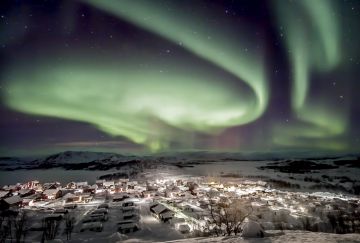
312, 36
120, 99
155, 108
125, 101
221, 49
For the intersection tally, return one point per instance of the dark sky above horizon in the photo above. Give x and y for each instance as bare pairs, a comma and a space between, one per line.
177, 75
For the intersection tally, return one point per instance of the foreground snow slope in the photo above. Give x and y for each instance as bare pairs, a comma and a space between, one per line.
279, 237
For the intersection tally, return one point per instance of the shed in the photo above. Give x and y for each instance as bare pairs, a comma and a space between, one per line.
8, 202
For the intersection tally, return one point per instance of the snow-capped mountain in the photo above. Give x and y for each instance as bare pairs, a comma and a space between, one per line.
69, 157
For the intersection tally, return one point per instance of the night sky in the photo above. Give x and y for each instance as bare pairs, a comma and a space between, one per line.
150, 76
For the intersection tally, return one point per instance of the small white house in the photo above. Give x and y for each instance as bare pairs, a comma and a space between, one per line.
108, 184
81, 184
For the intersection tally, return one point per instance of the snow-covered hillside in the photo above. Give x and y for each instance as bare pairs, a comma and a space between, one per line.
170, 157
277, 237
81, 157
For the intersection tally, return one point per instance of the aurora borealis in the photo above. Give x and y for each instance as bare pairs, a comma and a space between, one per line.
164, 75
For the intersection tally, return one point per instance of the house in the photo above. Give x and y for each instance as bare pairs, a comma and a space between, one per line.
26, 192
120, 197
90, 189
166, 215
77, 198
125, 227
151, 187
99, 182
33, 184
81, 184
51, 185
120, 188
29, 200
11, 188
123, 181
153, 204
4, 194
70, 198
159, 209
132, 184
85, 197
172, 192
148, 194
108, 184
140, 188
71, 185
14, 201
52, 194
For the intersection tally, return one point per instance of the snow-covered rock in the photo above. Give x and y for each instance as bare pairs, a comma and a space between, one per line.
116, 237
252, 229
278, 237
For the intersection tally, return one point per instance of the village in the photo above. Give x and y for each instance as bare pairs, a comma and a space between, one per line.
170, 207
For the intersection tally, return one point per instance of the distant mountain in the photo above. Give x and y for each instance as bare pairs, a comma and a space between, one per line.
250, 156
71, 157
105, 158
11, 161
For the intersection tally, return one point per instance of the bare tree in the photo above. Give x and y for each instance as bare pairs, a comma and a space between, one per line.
280, 219
69, 225
5, 228
50, 228
107, 196
227, 216
20, 225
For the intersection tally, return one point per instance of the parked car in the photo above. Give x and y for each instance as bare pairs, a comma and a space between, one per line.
100, 211
128, 204
125, 227
46, 210
95, 226
60, 211
95, 218
70, 206
103, 205
130, 215
120, 198
128, 209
